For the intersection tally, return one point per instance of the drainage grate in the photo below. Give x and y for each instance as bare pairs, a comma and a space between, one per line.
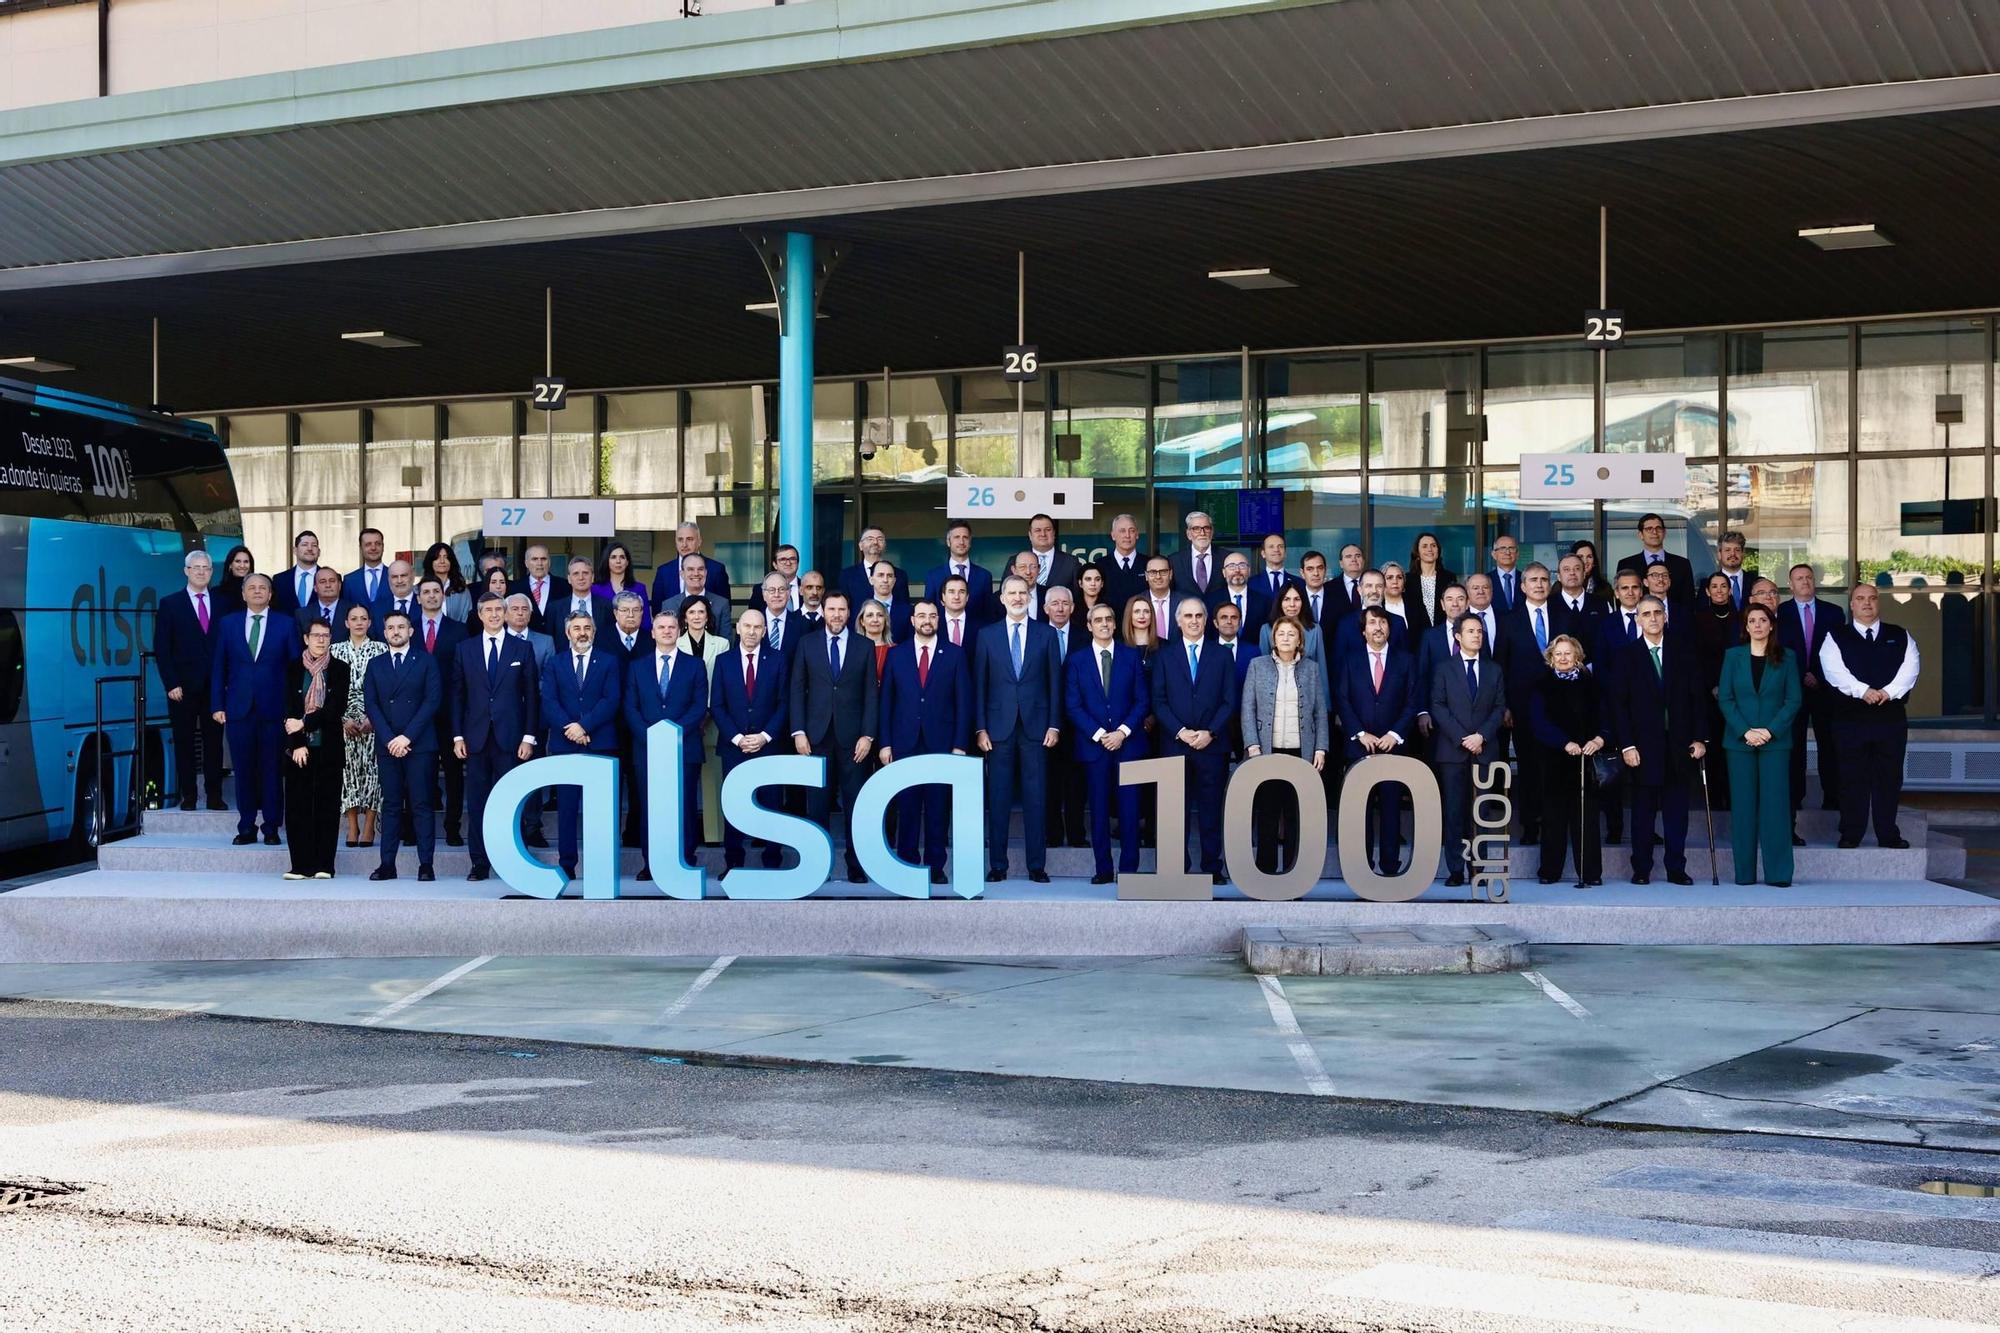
20, 1193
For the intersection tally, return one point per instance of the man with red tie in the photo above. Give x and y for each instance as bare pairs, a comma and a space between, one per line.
747, 699
957, 621
926, 709
537, 584
437, 634
184, 651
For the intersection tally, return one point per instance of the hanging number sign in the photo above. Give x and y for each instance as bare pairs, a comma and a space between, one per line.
1604, 328
551, 393
1021, 364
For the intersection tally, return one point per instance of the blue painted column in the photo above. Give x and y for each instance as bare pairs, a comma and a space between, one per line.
795, 400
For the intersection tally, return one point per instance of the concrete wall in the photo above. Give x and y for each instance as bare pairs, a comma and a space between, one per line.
50, 55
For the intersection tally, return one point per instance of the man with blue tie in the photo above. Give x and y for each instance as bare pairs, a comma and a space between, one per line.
1107, 707
399, 595
747, 699
495, 713
1017, 686
1272, 578
667, 684
369, 585
325, 605
403, 694
1525, 634
926, 708
1466, 698
1194, 703
434, 633
184, 637
580, 706
958, 563
1506, 579
1434, 646
293, 589
1659, 720
784, 627
247, 689
1804, 622
1376, 694
1252, 603
1729, 548
832, 707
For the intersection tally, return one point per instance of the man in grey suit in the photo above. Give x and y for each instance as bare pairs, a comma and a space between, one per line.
833, 715
1467, 698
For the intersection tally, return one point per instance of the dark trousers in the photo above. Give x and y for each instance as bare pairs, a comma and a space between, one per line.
1818, 711
1388, 800
732, 837
1021, 757
1101, 782
195, 728
1569, 816
923, 810
1669, 801
1871, 775
631, 833
1064, 805
569, 819
407, 783
844, 776
1455, 792
1207, 777
1274, 822
312, 795
1530, 759
642, 798
484, 767
450, 802
254, 749
1716, 762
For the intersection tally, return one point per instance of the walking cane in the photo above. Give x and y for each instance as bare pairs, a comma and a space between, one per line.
1708, 808
1582, 828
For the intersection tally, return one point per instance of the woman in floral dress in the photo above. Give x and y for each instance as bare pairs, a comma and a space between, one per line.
360, 781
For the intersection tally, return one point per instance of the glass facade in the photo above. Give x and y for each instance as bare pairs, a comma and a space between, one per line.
1865, 450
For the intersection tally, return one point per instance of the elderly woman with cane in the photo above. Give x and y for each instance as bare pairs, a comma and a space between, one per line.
1567, 718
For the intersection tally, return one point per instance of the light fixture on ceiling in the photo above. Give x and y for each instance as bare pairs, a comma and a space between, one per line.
380, 338
769, 309
1251, 279
1858, 236
39, 364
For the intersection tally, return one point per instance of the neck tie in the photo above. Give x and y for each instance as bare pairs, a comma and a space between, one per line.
750, 676
955, 632
430, 636
1240, 614
1471, 678
777, 632
540, 584
958, 570
1806, 622
1104, 669
666, 673
1736, 590
1201, 572
833, 653
256, 632
1541, 630
1376, 667
923, 666
1631, 626
1194, 662
1354, 591
492, 661
1658, 670
1274, 582
579, 668
374, 583
326, 614
1507, 586
1869, 634
1316, 610
304, 584
1018, 653
201, 610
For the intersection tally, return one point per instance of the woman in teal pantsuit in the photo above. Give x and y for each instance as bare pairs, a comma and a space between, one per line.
1760, 694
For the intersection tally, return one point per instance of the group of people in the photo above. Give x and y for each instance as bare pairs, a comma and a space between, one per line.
407, 692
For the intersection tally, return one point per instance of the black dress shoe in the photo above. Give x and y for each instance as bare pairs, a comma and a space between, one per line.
939, 877
380, 873
474, 875
217, 803
187, 803
1038, 876
569, 872
1593, 883
1797, 841
1680, 878
453, 840
536, 840
856, 877
1545, 879
995, 876
1848, 844
243, 839
272, 840
1899, 842
1641, 877
1781, 884
426, 875
1217, 877
645, 875
1103, 879
1454, 881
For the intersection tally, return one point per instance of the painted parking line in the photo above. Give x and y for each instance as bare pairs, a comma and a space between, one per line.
700, 984
390, 1011
1555, 992
1307, 1059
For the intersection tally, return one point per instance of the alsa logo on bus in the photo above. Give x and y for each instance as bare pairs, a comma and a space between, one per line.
105, 623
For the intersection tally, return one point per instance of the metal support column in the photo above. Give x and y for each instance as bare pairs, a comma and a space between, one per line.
795, 397
1597, 536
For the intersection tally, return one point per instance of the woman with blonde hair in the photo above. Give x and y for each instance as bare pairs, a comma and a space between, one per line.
1566, 716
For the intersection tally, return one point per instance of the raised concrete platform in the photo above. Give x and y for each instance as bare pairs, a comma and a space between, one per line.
1386, 950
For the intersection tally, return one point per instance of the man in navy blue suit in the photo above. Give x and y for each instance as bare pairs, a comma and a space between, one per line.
1252, 603
495, 713
667, 684
958, 561
1194, 704
1271, 577
832, 703
1504, 578
292, 588
403, 694
667, 591
1804, 622
784, 628
1238, 642
604, 622
1438, 644
926, 708
1017, 688
435, 633
1347, 638
580, 707
1659, 721
184, 635
369, 585
325, 605
1376, 695
246, 686
1107, 705
747, 699
855, 581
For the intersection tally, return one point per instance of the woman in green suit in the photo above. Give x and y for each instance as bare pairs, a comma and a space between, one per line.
1759, 694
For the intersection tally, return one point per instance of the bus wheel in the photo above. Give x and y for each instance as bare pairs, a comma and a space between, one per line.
86, 828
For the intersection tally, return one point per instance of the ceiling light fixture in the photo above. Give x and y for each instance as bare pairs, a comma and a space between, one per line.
1859, 236
769, 309
39, 364
1251, 279
380, 338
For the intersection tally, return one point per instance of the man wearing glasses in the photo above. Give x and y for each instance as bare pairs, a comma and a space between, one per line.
1653, 551
1198, 565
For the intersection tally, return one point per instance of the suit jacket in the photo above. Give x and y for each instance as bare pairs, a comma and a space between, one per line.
1364, 708
1341, 605
594, 702
1002, 703
796, 629
1204, 701
1256, 607
1091, 708
980, 607
932, 716
1183, 566
1348, 640
614, 642
557, 590
1260, 706
355, 589
1434, 645
685, 701
284, 590
183, 652
249, 688
1425, 615
450, 634
406, 702
542, 646
310, 612
1586, 626
1522, 658
737, 713
1121, 586
1063, 569
854, 582
501, 710
1681, 587
667, 581
829, 709
1247, 649
325, 725
412, 610
899, 619
558, 616
1774, 707
1791, 632
1501, 602
1661, 714
1457, 712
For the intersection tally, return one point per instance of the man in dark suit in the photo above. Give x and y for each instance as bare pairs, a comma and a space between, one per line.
1437, 644
1575, 613
1467, 696
1347, 638
925, 708
629, 640
325, 605
784, 628
369, 585
1017, 687
668, 588
1271, 577
885, 579
1056, 568
1653, 551
694, 583
1872, 666
538, 584
671, 685
292, 588
1238, 643
1253, 605
1195, 709
1107, 703
957, 624
435, 633
579, 598
1375, 693
832, 708
246, 688
1319, 592
184, 634
1659, 720
403, 694
400, 595
958, 561
495, 714
580, 707
1124, 565
1505, 577
1063, 800
1197, 566
1804, 622
747, 698
1345, 592
855, 581
1525, 636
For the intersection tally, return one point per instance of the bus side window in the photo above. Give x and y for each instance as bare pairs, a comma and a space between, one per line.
13, 667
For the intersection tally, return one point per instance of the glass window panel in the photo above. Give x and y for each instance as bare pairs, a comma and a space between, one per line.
1105, 413
1401, 505
1175, 503
1906, 369
725, 438
988, 442
917, 433
572, 435
269, 538
460, 525
1539, 399
1788, 391
1198, 426
833, 433
477, 458
912, 522
1543, 528
1320, 516
1312, 413
1920, 520
339, 532
1661, 396
1950, 629
1422, 409
400, 466
1089, 539
1688, 531
1788, 513
733, 530
257, 460
641, 444
406, 529
646, 527
326, 468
